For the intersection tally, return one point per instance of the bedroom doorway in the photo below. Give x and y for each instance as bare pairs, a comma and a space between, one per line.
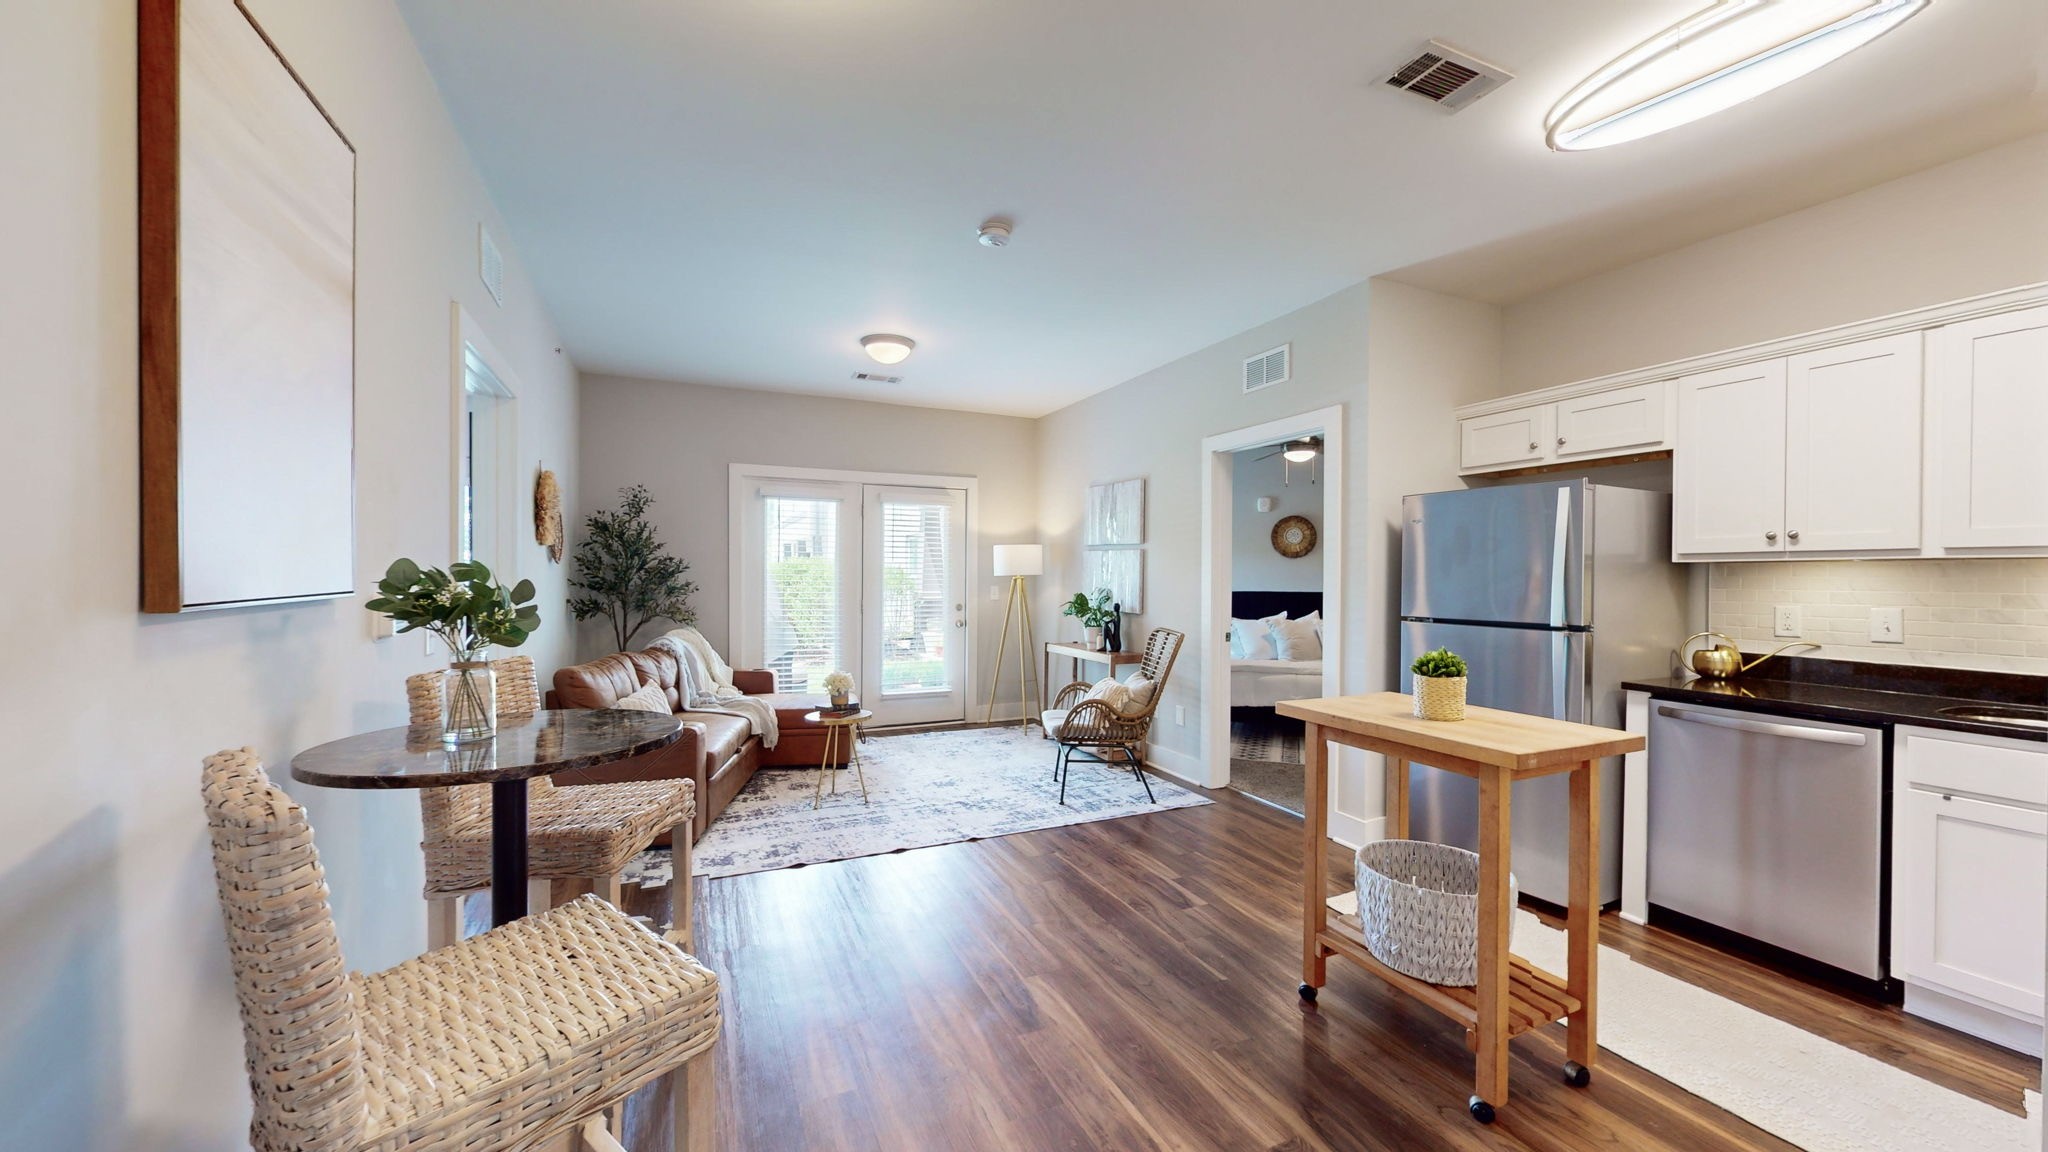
1273, 595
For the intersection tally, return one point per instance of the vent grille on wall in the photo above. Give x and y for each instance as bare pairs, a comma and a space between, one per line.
877, 378
490, 265
1267, 368
1447, 77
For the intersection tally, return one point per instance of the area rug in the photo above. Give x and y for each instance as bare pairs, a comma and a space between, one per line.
925, 788
1809, 1091
1266, 763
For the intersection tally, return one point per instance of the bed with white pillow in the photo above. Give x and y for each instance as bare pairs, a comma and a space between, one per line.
1276, 650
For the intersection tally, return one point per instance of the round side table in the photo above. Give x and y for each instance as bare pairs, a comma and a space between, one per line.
839, 728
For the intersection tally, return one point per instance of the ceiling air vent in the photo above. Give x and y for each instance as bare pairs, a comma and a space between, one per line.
877, 378
1267, 368
1447, 77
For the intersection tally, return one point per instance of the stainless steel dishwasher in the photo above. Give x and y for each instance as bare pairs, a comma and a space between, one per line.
1772, 829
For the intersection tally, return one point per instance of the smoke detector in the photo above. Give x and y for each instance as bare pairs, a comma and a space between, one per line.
1448, 78
994, 232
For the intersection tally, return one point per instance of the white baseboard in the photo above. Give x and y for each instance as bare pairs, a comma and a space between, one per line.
1179, 765
1964, 1014
1354, 833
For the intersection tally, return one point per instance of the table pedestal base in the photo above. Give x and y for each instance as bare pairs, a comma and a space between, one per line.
508, 851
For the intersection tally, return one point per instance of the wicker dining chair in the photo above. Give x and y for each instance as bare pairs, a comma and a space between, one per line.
582, 836
521, 1036
1092, 729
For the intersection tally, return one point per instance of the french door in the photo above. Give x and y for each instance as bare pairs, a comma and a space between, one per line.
866, 578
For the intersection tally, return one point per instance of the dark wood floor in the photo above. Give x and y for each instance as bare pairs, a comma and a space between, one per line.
1130, 984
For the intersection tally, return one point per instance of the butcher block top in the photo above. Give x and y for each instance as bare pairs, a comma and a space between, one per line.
1522, 744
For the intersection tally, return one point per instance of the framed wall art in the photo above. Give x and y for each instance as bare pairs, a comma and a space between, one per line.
1122, 571
247, 217
1116, 513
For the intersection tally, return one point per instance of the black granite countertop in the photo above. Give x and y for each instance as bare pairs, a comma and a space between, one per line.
1853, 692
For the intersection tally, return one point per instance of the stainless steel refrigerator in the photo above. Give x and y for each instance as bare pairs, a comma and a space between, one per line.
1554, 593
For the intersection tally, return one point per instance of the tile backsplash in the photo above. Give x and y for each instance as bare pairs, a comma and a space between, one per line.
1988, 614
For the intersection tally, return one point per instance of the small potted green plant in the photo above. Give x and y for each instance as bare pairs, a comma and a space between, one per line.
1093, 612
1439, 685
470, 612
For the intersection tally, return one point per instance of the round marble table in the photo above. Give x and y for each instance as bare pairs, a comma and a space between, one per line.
537, 744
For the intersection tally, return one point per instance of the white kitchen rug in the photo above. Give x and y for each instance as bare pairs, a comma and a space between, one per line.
924, 788
1797, 1086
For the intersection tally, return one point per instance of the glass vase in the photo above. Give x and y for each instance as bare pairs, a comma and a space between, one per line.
469, 702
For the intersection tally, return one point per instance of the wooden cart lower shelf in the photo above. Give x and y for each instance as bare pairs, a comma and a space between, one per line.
1535, 997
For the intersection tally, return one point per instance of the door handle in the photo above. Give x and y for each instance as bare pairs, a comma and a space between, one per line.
1765, 727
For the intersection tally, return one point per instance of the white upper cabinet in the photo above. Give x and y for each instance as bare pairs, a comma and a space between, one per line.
1991, 401
1852, 447
1728, 473
1515, 439
1609, 423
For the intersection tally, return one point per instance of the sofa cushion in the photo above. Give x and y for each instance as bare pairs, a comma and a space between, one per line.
723, 736
790, 707
598, 684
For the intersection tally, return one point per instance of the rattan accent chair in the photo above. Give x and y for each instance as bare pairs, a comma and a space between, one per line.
1092, 729
513, 1039
578, 839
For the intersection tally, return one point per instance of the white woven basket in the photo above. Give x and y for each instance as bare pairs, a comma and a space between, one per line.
1418, 905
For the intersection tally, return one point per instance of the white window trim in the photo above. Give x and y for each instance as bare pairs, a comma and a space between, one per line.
467, 334
739, 594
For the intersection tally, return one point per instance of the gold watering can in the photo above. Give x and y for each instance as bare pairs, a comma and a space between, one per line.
1724, 660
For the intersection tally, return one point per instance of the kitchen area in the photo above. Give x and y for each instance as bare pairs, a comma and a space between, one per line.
1813, 572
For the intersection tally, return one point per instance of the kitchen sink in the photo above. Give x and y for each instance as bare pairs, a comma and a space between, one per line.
2018, 716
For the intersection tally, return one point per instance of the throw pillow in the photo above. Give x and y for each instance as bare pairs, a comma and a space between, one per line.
1253, 639
1140, 690
1317, 617
650, 698
1110, 691
1298, 640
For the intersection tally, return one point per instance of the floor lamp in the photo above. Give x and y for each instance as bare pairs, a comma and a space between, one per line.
1016, 561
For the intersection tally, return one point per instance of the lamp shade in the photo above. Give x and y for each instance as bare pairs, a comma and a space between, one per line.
1020, 559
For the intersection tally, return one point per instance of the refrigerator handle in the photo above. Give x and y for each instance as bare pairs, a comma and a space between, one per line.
1560, 673
1559, 537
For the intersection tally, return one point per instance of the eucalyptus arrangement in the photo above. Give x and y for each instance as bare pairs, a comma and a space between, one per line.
1440, 678
471, 612
1092, 611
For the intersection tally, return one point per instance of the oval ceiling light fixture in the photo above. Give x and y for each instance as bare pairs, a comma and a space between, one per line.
883, 348
1720, 56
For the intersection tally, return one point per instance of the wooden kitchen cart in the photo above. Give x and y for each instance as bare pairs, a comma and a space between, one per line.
1495, 748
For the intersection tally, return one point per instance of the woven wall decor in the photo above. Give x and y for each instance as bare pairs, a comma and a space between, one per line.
547, 514
1294, 537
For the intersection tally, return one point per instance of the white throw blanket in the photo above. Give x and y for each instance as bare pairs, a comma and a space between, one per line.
707, 685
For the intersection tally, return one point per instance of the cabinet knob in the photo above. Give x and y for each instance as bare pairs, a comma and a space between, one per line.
1560, 441
1532, 445
1793, 535
1772, 536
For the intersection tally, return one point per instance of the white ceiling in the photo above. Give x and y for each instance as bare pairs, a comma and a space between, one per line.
732, 192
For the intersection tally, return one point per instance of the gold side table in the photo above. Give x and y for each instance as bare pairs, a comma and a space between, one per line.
838, 728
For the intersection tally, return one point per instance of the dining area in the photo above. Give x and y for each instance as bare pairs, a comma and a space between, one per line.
531, 1032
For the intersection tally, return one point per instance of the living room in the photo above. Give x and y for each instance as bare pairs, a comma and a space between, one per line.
627, 247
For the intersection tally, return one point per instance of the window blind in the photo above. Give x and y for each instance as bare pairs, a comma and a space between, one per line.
801, 625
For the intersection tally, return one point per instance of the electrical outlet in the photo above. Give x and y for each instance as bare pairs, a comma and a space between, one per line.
381, 627
1887, 625
1785, 621
1180, 715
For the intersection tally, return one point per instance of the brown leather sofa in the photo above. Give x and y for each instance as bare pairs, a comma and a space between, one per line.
720, 752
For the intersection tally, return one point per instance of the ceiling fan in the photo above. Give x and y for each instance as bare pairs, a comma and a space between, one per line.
1307, 450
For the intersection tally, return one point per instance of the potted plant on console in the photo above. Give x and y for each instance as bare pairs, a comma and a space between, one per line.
1093, 612
470, 612
1439, 685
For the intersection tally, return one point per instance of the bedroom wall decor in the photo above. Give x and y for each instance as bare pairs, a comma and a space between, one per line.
247, 277
1122, 571
1294, 536
1116, 513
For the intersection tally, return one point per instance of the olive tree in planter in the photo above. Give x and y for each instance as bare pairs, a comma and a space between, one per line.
627, 573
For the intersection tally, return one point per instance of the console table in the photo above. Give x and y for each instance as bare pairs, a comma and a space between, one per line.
1496, 748
1080, 654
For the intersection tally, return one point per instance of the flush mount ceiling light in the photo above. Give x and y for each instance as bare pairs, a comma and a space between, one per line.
1726, 53
883, 348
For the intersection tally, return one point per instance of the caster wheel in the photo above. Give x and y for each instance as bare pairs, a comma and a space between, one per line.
1308, 992
1480, 1109
1576, 1074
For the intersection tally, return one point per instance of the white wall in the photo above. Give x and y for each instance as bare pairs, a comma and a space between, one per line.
118, 1029
1254, 565
1968, 227
1398, 358
680, 440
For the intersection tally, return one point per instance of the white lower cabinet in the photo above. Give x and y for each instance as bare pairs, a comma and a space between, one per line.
1970, 882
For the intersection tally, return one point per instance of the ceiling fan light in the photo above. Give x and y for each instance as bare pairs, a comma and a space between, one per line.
1302, 451
1721, 56
883, 348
